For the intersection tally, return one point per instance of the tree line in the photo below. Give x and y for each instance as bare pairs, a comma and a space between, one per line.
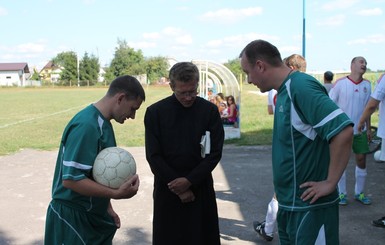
126, 60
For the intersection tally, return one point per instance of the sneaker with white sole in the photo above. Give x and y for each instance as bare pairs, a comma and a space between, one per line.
362, 199
343, 200
379, 222
259, 227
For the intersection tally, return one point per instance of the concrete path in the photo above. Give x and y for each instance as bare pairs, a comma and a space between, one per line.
243, 183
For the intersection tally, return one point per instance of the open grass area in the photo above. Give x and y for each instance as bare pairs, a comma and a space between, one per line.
35, 117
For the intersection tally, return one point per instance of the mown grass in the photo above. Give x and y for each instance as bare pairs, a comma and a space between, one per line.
35, 117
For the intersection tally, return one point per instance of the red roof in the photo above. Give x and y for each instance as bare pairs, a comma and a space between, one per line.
14, 67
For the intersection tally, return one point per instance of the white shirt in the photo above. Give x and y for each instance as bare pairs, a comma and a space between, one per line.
351, 97
272, 98
379, 94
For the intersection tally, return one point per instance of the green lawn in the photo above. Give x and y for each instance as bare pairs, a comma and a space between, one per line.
35, 117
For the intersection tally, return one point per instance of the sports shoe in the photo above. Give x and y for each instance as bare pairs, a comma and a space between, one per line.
260, 229
343, 200
379, 222
362, 198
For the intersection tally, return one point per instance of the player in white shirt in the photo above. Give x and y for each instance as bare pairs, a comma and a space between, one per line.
377, 99
351, 94
271, 99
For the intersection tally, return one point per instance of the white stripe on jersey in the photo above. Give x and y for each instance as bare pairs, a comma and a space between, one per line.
76, 165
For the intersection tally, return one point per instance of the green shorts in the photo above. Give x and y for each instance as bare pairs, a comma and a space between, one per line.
65, 225
317, 226
360, 143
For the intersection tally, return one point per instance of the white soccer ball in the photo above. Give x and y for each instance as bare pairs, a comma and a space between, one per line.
376, 156
113, 166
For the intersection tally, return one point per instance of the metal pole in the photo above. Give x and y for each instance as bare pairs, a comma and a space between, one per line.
303, 30
77, 61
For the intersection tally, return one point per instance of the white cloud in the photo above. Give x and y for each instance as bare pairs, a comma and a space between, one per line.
339, 4
290, 49
151, 35
373, 39
30, 48
184, 39
230, 15
172, 31
142, 45
370, 12
239, 41
336, 20
3, 11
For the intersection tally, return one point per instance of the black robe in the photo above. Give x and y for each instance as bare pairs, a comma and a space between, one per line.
173, 135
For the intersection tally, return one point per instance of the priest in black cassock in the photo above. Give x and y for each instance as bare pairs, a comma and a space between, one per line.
184, 140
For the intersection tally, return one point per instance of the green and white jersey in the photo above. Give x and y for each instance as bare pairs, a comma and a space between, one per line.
84, 137
305, 120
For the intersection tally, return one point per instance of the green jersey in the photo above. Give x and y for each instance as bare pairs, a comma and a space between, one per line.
84, 137
305, 120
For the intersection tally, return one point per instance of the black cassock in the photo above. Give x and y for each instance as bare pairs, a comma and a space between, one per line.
173, 135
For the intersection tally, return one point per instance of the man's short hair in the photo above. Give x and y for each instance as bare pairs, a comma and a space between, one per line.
128, 85
296, 61
183, 72
328, 75
262, 50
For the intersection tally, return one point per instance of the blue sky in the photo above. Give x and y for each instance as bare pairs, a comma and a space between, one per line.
215, 30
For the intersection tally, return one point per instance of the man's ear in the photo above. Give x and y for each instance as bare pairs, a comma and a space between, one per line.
260, 65
172, 86
120, 97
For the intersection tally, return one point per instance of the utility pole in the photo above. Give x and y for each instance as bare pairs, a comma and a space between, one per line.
303, 30
77, 61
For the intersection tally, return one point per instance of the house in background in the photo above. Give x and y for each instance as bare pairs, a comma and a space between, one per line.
14, 74
102, 73
50, 73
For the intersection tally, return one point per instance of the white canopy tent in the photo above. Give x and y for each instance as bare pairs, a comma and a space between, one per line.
216, 78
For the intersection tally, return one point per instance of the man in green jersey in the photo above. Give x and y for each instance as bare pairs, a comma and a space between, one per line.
80, 211
312, 139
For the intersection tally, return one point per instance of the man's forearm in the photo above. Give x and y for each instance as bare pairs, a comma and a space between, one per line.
340, 149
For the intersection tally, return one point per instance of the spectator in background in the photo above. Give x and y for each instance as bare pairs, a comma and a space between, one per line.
221, 104
230, 118
296, 62
328, 79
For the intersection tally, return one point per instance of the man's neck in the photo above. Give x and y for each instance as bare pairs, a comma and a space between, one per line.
356, 77
102, 106
282, 76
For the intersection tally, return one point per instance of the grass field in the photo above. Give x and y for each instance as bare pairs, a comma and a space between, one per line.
35, 117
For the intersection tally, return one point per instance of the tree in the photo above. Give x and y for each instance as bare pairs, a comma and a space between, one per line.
234, 66
126, 61
156, 67
68, 61
35, 76
89, 70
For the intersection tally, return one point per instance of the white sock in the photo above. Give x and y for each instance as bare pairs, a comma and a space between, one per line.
382, 154
342, 184
360, 180
271, 216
